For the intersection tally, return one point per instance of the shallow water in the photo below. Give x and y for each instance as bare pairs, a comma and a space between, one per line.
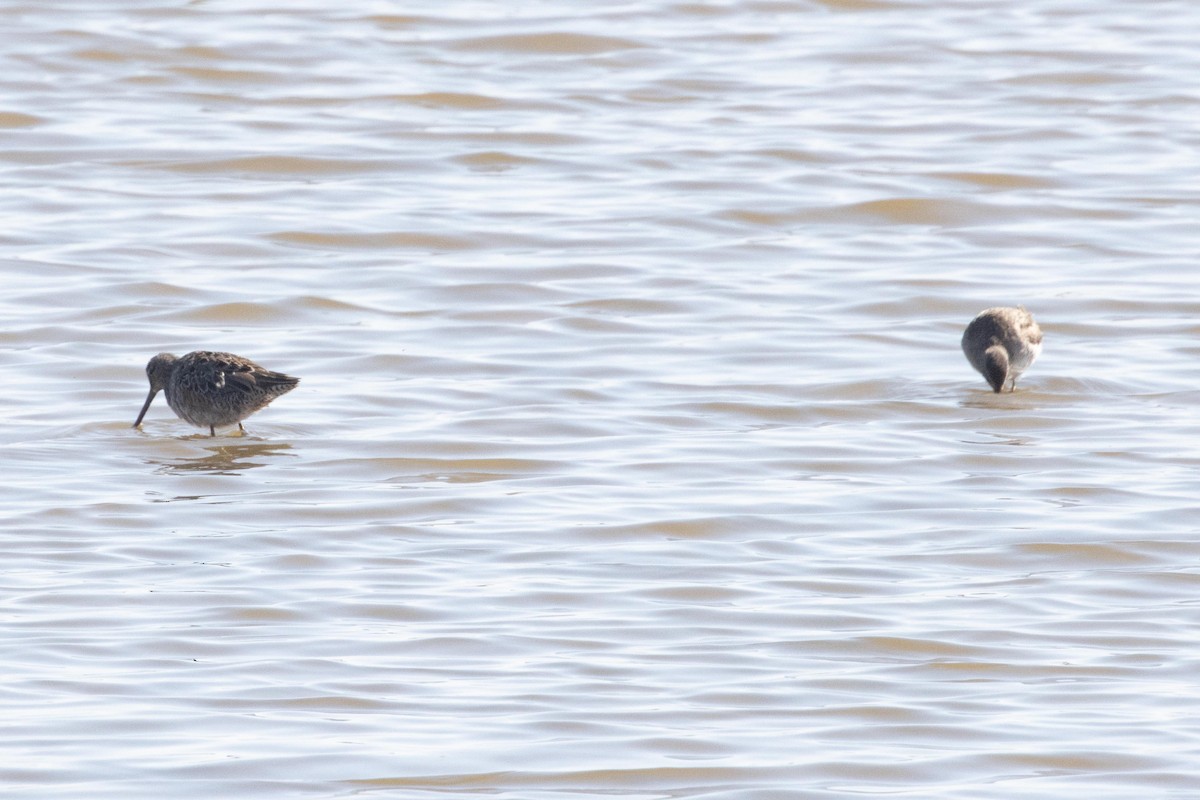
634, 454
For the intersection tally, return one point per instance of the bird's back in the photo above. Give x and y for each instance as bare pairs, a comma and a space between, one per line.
209, 388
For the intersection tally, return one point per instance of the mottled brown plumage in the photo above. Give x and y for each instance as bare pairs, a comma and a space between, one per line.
210, 389
1002, 343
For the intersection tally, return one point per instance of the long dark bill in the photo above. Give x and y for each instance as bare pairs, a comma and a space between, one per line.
145, 408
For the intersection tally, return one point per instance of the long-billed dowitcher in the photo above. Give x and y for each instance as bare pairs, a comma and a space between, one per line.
1001, 343
213, 389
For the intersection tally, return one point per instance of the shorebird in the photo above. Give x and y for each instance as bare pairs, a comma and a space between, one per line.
1001, 343
211, 389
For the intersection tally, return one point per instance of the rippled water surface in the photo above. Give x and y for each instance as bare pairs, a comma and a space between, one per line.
634, 454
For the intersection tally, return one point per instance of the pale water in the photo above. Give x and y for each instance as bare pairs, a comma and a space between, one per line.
634, 454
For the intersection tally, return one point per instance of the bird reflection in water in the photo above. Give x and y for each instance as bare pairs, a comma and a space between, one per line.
230, 459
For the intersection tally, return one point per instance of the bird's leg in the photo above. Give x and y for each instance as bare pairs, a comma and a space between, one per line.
240, 428
212, 431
